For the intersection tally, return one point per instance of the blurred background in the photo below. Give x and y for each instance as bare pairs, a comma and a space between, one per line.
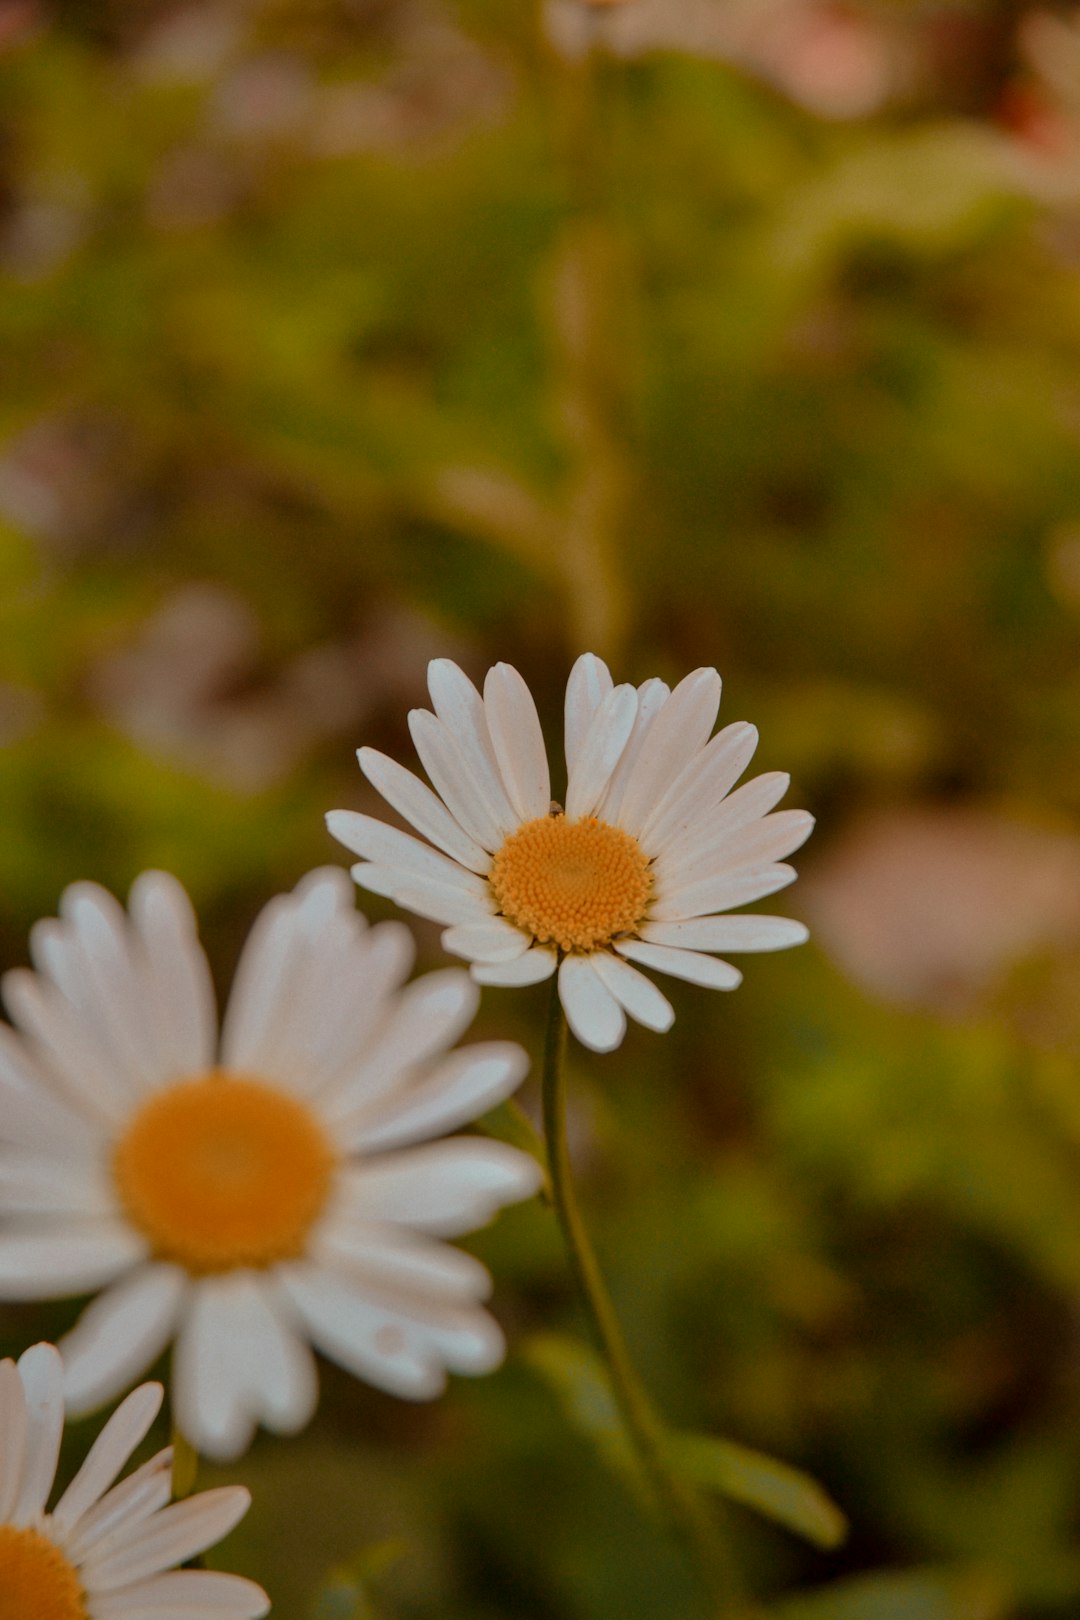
338, 334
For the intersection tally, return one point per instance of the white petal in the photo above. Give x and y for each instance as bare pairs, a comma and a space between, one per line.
465, 778
66, 1044
679, 732
443, 1188
43, 1387
171, 1536
601, 747
176, 974
31, 1114
708, 854
312, 985
109, 982
592, 1012
47, 1263
681, 964
714, 830
652, 695
120, 1334
701, 785
426, 812
465, 1085
532, 968
634, 992
138, 1496
393, 1256
491, 941
675, 903
31, 1185
427, 1017
239, 1362
129, 1424
590, 681
387, 846
13, 1428
518, 741
185, 1594
437, 901
729, 933
397, 1341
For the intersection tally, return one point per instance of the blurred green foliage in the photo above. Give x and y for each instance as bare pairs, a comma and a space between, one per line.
338, 333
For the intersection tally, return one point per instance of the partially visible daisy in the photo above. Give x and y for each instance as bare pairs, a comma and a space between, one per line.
106, 1551
651, 848
250, 1198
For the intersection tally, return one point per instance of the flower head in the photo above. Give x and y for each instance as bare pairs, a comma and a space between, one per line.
651, 849
253, 1196
105, 1550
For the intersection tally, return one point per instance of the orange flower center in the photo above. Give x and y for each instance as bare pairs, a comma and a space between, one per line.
224, 1171
573, 884
36, 1581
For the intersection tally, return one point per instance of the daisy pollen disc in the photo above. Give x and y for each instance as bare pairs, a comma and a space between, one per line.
574, 884
36, 1581
223, 1171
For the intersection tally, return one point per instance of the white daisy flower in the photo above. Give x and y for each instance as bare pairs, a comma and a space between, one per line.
652, 846
106, 1551
258, 1196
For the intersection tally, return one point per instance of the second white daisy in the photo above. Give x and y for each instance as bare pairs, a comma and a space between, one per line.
251, 1200
652, 848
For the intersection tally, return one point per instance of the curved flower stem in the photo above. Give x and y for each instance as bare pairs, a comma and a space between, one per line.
687, 1515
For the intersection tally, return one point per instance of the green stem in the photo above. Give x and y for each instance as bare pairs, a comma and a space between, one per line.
687, 1515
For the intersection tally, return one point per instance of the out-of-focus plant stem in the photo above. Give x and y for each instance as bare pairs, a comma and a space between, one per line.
588, 383
689, 1518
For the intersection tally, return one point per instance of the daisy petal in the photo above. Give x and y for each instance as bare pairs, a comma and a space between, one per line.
682, 964
415, 801
719, 893
120, 1334
592, 1012
518, 741
680, 731
729, 933
386, 846
636, 994
491, 941
392, 1257
436, 901
30, 1115
465, 778
185, 1594
177, 975
442, 1188
427, 1016
170, 1536
701, 785
42, 1379
127, 1504
65, 1259
532, 968
398, 1342
129, 1424
463, 1086
239, 1362
590, 681
607, 736
55, 1186
652, 695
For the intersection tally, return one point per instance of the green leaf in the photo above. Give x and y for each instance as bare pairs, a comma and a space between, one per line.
774, 1488
577, 1377
918, 1595
346, 1594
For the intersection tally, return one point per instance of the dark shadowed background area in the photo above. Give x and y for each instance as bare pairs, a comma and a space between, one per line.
338, 334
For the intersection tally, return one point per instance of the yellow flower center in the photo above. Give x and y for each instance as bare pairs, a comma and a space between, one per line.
224, 1171
575, 884
36, 1581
